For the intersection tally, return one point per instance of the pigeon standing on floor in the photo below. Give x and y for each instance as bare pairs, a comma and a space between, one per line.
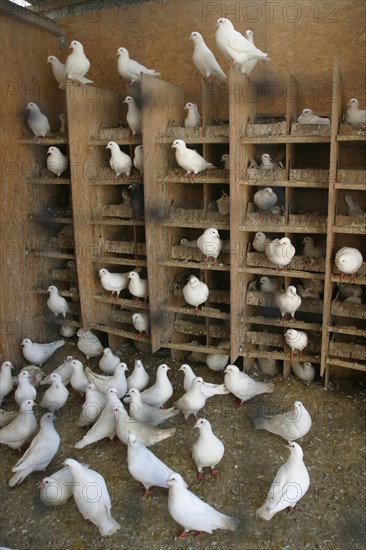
139, 378
204, 59
6, 380
353, 209
153, 416
78, 381
76, 65
144, 466
134, 115
88, 343
297, 340
15, 434
304, 371
141, 322
290, 425
288, 301
105, 383
96, 508
93, 405
192, 513
193, 400
313, 250
56, 489
354, 114
138, 159
348, 261
193, 118
58, 69
209, 243
243, 386
289, 486
137, 200
105, 426
56, 396
195, 293
161, 391
108, 362
130, 69
259, 242
208, 390
57, 162
309, 117
138, 287
280, 252
41, 451
120, 162
265, 199
39, 353
65, 370
208, 450
56, 303
37, 121
113, 282
188, 159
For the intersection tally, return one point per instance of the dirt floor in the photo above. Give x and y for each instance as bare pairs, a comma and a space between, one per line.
331, 516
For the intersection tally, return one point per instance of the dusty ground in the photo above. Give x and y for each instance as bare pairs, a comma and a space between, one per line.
332, 514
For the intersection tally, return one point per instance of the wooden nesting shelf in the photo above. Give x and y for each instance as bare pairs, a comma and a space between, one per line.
213, 330
125, 247
351, 176
194, 213
265, 129
207, 176
348, 131
66, 275
117, 211
348, 309
312, 130
211, 133
185, 254
261, 218
298, 263
123, 302
309, 174
119, 134
52, 139
265, 177
351, 349
48, 180
266, 299
209, 312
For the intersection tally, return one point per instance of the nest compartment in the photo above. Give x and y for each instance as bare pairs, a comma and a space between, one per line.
310, 129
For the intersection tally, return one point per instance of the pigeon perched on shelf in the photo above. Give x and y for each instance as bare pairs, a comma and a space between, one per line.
58, 69
304, 371
139, 378
265, 199
56, 489
192, 513
37, 121
120, 162
193, 118
317, 285
195, 293
193, 400
349, 290
76, 64
259, 242
223, 204
41, 451
307, 293
56, 396
108, 362
268, 164
97, 507
208, 389
15, 434
92, 407
208, 450
313, 250
78, 380
104, 426
137, 200
354, 114
39, 353
297, 340
288, 301
113, 282
134, 115
138, 287
188, 159
162, 390
144, 466
280, 252
153, 416
204, 59
236, 47
130, 69
309, 117
138, 159
89, 343
289, 486
251, 63
243, 386
56, 303
57, 162
6, 380
270, 284
226, 160
290, 425
104, 383
141, 322
65, 370
209, 243
348, 261
353, 209
187, 243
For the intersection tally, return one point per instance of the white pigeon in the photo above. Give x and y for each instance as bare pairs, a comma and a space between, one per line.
304, 371
6, 380
251, 63
138, 159
134, 115
56, 489
41, 451
153, 416
348, 261
104, 383
88, 343
162, 390
287, 301
195, 293
193, 400
309, 117
226, 160
63, 123
270, 284
217, 361
141, 322
192, 513
130, 69
144, 466
267, 162
147, 435
6, 417
280, 252
15, 434
113, 282
105, 426
108, 361
188, 244
208, 450
78, 380
290, 425
138, 287
56, 303
193, 118
139, 378
56, 396
97, 507
243, 386
67, 331
265, 199
204, 59
65, 370
313, 250
92, 407
76, 65
223, 205
235, 46
208, 389
58, 69
120, 162
259, 242
37, 121
188, 159
354, 114
297, 340
353, 209
39, 353
209, 243
289, 486
57, 162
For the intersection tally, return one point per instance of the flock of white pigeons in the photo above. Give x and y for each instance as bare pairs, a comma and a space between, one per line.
103, 412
